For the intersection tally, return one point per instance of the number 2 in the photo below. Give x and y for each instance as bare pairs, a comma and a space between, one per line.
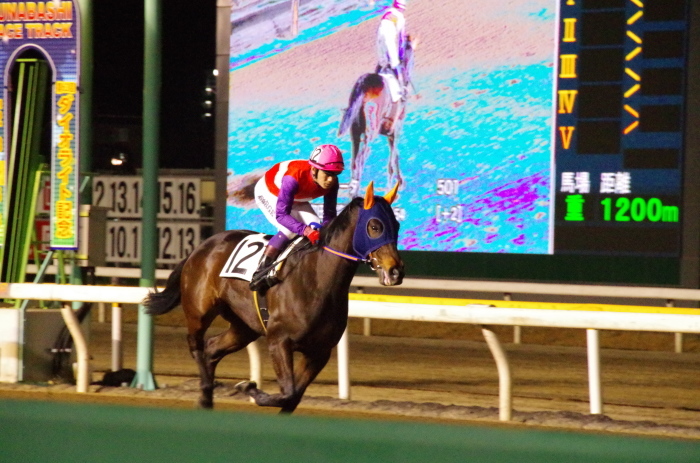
623, 204
238, 268
100, 190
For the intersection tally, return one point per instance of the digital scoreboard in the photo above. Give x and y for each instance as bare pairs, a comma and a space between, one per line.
620, 126
532, 127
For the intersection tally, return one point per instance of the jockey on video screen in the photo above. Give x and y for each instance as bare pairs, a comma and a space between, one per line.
391, 42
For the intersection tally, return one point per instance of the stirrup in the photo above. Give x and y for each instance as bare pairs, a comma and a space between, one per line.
263, 284
258, 285
263, 281
258, 281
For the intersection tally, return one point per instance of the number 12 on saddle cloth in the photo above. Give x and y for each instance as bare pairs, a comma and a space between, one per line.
245, 257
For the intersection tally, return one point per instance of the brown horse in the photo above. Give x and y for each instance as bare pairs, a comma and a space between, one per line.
308, 308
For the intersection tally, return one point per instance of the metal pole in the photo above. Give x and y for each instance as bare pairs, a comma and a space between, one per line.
117, 349
678, 337
149, 244
594, 382
86, 68
366, 322
223, 34
344, 367
83, 374
255, 364
517, 331
505, 382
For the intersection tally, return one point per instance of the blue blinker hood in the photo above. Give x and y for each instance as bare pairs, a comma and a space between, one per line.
381, 210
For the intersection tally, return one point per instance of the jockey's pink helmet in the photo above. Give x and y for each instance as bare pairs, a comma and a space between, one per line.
328, 158
400, 4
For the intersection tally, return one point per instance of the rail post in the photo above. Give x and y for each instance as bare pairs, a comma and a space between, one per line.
117, 349
83, 376
344, 367
505, 383
594, 383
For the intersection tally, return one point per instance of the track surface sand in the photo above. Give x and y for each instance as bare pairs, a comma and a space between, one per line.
396, 378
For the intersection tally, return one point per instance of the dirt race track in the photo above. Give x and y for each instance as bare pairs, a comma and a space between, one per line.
444, 380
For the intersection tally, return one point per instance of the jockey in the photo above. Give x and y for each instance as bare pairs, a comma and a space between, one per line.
283, 195
391, 41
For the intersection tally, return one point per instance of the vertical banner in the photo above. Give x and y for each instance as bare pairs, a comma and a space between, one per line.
3, 169
64, 168
51, 31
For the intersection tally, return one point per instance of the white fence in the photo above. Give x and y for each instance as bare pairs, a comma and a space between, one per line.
663, 319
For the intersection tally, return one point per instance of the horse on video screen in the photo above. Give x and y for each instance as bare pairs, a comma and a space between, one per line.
371, 113
308, 309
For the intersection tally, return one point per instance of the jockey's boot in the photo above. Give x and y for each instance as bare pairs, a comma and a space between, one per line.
261, 280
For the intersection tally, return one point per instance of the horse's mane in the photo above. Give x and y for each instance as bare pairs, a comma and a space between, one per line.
335, 227
340, 223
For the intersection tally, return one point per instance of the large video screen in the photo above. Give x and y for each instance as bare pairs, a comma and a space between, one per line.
529, 126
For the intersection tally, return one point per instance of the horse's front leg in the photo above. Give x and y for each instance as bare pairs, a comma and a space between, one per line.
393, 170
357, 164
282, 357
306, 371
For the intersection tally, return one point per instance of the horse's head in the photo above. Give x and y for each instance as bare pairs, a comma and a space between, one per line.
376, 234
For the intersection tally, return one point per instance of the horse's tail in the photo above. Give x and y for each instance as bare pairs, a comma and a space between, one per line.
366, 83
158, 303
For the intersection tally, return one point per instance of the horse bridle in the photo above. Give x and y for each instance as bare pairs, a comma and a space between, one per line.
369, 261
372, 261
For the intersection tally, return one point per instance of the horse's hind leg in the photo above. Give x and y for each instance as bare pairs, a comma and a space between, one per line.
216, 348
232, 340
198, 321
206, 376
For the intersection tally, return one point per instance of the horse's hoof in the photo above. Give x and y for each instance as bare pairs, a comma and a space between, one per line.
205, 404
245, 386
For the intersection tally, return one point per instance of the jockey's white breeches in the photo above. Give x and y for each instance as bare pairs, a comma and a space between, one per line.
392, 83
267, 202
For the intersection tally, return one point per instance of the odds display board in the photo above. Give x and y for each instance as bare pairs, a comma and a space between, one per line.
179, 221
52, 30
619, 126
531, 127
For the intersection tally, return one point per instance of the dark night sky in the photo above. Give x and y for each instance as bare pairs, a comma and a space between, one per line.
188, 56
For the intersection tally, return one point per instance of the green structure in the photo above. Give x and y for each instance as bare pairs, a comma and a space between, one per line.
31, 83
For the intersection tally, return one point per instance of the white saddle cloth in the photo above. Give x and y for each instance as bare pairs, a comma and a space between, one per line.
246, 257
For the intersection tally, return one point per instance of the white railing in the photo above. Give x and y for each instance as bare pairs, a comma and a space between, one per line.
102, 294
505, 289
662, 319
483, 286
